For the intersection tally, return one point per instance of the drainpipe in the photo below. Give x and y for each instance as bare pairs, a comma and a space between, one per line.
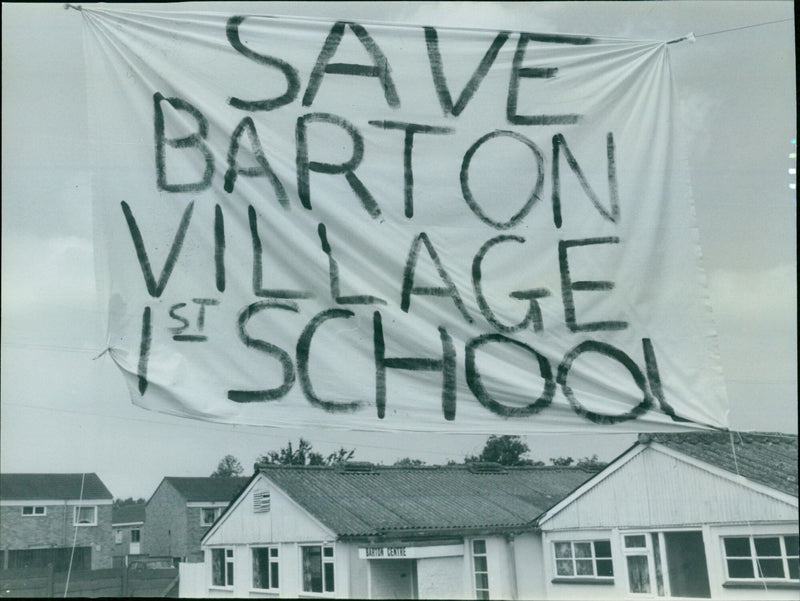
510, 538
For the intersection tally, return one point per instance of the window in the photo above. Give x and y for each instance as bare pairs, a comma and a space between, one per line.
481, 567
86, 516
118, 536
265, 568
222, 567
762, 557
583, 559
318, 569
29, 510
136, 535
208, 515
666, 564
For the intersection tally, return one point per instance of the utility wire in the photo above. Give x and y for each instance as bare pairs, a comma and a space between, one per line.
702, 35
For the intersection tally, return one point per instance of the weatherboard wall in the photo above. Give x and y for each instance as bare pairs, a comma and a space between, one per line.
655, 488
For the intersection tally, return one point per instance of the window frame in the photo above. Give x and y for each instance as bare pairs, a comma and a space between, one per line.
754, 559
228, 571
324, 559
215, 511
138, 532
76, 511
117, 536
475, 571
34, 513
272, 559
594, 557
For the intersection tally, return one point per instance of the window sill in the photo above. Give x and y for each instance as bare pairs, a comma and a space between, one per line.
583, 581
756, 584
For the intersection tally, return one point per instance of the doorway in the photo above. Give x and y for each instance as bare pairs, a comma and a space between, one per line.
393, 579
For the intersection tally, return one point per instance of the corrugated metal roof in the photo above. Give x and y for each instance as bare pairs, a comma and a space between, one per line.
128, 514
31, 487
207, 489
766, 458
393, 500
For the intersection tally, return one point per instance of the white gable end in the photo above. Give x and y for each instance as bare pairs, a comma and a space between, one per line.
658, 489
265, 514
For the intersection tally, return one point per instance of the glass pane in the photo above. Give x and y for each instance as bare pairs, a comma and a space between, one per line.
564, 567
791, 545
768, 547
230, 574
605, 567
657, 562
563, 550
273, 568
273, 552
602, 548
770, 568
479, 547
329, 577
740, 568
583, 549
260, 563
482, 581
793, 568
218, 567
737, 547
482, 594
312, 569
480, 564
327, 551
635, 541
638, 574
584, 567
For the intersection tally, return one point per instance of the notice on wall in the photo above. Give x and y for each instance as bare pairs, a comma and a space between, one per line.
381, 227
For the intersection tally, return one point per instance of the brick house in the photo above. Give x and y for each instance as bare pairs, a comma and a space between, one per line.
127, 523
179, 513
42, 514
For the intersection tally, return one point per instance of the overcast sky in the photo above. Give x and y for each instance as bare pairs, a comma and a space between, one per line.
64, 410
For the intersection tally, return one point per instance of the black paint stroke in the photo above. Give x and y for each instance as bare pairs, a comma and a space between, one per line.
619, 356
288, 71
568, 286
447, 365
304, 165
195, 140
156, 288
303, 352
410, 130
219, 248
333, 277
613, 190
534, 314
440, 81
380, 67
274, 351
144, 349
477, 387
408, 279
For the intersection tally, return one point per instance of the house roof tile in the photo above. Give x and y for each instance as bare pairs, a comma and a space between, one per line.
207, 489
70, 487
766, 458
394, 500
128, 514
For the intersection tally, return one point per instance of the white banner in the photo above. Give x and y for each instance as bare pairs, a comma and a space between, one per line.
370, 226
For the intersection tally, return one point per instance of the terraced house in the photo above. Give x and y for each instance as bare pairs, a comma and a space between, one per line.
43, 516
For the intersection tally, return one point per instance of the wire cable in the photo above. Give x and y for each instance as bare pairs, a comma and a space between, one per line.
75, 536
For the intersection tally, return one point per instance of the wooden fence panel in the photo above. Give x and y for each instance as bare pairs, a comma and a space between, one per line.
42, 582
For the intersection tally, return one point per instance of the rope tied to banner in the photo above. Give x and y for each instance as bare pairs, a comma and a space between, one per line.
75, 6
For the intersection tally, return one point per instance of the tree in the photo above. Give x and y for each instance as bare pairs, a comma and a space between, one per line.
304, 454
562, 461
408, 462
129, 501
505, 450
228, 467
591, 463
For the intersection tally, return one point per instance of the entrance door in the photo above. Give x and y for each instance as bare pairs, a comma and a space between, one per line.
667, 564
393, 578
686, 558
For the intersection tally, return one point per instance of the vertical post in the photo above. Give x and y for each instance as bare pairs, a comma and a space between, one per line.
50, 582
125, 581
5, 559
